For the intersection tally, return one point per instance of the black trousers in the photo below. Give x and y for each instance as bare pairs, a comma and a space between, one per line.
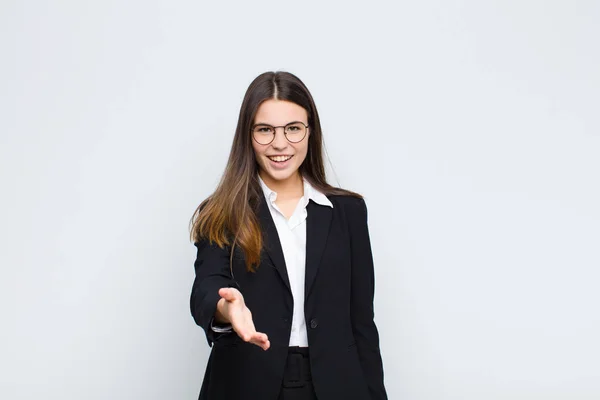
297, 379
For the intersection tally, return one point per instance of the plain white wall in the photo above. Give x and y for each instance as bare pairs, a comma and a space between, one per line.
471, 128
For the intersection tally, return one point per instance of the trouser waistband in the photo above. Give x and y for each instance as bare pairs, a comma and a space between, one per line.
298, 350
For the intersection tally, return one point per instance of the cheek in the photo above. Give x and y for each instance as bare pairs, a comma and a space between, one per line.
302, 152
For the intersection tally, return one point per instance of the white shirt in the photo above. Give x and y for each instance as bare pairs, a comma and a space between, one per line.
292, 235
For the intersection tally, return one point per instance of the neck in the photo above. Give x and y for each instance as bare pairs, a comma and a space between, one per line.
292, 187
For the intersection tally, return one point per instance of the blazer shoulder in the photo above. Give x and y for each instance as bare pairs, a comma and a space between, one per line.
347, 202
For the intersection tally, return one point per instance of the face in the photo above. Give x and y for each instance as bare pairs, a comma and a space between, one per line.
273, 167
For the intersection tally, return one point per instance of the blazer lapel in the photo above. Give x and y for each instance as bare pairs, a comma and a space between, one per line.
318, 222
271, 243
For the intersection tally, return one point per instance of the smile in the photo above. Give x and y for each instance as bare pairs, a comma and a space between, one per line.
279, 158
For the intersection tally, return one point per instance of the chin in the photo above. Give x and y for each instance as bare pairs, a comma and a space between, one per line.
281, 175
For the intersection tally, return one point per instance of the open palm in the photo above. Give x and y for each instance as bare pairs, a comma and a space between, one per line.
234, 309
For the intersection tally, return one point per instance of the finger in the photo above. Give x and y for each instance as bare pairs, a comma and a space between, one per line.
260, 339
250, 335
263, 344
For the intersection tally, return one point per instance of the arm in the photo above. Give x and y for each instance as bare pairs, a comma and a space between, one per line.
212, 274
216, 298
362, 295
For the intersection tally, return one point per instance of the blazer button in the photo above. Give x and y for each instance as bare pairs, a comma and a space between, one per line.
314, 323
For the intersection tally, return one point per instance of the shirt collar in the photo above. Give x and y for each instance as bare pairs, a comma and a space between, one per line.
310, 193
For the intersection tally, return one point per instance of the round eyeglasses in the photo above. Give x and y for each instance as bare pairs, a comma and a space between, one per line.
294, 132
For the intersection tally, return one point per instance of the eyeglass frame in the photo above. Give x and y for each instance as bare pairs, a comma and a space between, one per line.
275, 132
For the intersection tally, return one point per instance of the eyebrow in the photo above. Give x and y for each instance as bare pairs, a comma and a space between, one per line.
264, 123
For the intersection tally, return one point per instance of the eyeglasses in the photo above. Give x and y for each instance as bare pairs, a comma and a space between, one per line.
294, 132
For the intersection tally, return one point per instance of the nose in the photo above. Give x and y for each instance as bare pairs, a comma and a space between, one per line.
280, 141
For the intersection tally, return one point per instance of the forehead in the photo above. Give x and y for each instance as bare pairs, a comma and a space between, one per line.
279, 112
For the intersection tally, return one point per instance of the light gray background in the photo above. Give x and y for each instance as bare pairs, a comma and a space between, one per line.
471, 127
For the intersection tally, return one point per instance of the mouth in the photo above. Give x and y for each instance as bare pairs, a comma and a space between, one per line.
279, 162
279, 159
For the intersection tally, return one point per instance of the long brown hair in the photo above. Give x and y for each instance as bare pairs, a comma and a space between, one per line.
230, 215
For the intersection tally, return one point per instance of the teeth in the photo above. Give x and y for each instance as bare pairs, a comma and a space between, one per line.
280, 158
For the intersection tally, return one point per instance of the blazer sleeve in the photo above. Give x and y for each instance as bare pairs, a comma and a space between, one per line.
362, 296
212, 273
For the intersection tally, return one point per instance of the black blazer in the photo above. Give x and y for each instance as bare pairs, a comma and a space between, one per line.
343, 340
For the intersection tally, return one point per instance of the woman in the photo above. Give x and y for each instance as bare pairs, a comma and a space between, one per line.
284, 272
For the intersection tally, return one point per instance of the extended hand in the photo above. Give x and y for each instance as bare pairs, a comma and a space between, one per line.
233, 309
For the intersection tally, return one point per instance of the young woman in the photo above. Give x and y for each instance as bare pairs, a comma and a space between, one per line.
284, 271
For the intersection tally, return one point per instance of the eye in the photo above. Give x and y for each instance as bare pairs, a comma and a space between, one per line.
263, 129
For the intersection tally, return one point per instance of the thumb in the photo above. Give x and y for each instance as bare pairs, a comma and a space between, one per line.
227, 293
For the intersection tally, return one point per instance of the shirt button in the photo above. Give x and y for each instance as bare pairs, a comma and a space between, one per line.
314, 323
